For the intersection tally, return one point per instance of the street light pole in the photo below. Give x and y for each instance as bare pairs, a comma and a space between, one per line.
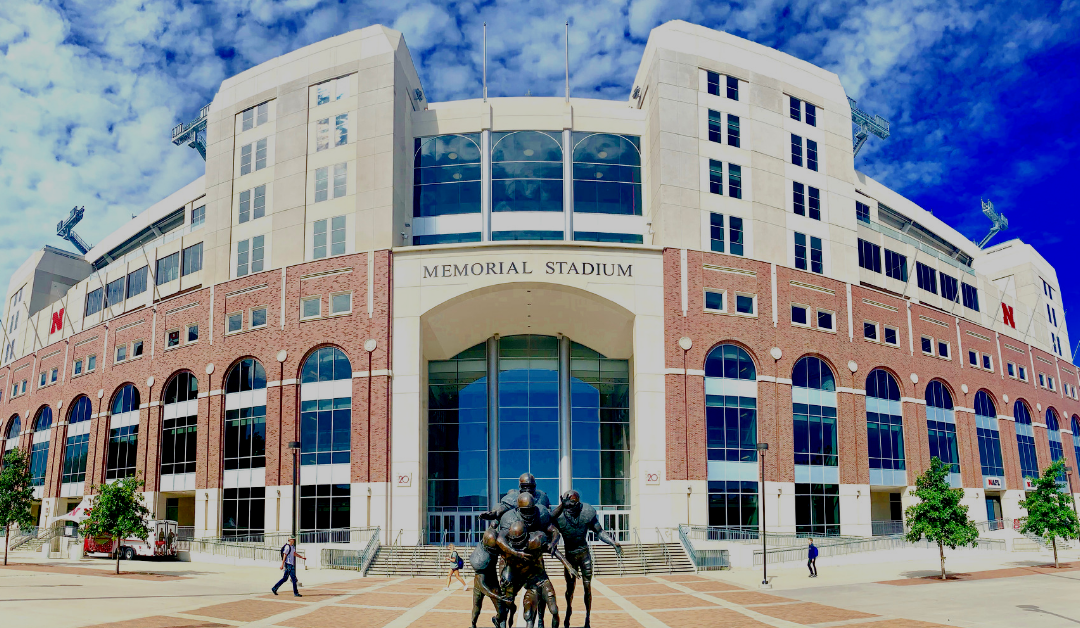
761, 449
295, 447
1072, 498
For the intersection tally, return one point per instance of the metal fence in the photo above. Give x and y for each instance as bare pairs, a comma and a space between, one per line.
185, 533
234, 550
886, 527
753, 535
703, 559
356, 560
792, 554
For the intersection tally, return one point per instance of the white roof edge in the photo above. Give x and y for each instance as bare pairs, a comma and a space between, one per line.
155, 212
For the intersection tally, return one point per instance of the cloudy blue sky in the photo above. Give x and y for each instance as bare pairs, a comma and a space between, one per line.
983, 97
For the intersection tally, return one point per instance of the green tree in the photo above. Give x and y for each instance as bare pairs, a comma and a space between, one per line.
1049, 513
16, 494
118, 512
939, 516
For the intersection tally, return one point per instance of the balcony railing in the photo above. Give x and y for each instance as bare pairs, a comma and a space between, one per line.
889, 527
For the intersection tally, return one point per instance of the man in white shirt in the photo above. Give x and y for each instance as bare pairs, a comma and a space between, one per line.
288, 565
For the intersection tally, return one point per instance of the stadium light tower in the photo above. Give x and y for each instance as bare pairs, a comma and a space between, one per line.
877, 125
66, 229
193, 133
999, 221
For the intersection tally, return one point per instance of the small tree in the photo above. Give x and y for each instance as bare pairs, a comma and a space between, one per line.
939, 516
118, 512
1049, 513
16, 495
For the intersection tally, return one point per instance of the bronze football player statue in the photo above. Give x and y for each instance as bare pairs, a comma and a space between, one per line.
485, 564
526, 484
523, 554
575, 519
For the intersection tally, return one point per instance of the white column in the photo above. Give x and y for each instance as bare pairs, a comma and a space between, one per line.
485, 185
568, 185
566, 467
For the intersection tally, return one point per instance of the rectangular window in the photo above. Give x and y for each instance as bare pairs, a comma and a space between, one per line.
795, 108
340, 303
895, 265
322, 184
121, 353
319, 250
716, 126
78, 367
798, 197
942, 349
1051, 315
136, 281
322, 134
735, 235
716, 177
245, 207
826, 320
870, 331
928, 345
799, 315
137, 349
815, 202
862, 212
714, 300
732, 88
178, 445
927, 277
245, 159
892, 336
243, 513
91, 363
258, 204
811, 155
869, 256
93, 301
234, 323
168, 269
796, 150
817, 256
950, 288
734, 178
198, 216
114, 292
811, 114
337, 235
716, 233
973, 358
987, 363
817, 506
800, 251
971, 296
1011, 369
75, 455
243, 262
310, 307
712, 83
43, 379
257, 253
733, 130
55, 372
247, 119
1023, 372
260, 154
192, 333
744, 304
258, 318
192, 259
172, 338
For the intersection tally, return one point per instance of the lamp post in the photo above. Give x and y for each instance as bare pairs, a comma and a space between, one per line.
294, 445
761, 449
1072, 498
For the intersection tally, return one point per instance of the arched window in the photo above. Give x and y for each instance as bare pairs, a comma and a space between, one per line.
39, 449
123, 434
526, 171
885, 429
817, 479
1053, 432
243, 509
14, 427
446, 176
1025, 440
731, 436
178, 431
986, 425
941, 425
78, 442
1076, 438
11, 437
325, 422
607, 174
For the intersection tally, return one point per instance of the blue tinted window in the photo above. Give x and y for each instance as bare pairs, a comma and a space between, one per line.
526, 172
446, 175
607, 174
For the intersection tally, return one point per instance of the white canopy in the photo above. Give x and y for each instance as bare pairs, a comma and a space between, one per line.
79, 514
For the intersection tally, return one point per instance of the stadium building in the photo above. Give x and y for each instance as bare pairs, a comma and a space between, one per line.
621, 296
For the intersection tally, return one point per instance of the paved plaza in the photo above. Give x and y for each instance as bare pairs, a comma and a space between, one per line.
885, 591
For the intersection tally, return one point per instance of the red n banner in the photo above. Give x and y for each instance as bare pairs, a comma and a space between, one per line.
57, 321
1008, 311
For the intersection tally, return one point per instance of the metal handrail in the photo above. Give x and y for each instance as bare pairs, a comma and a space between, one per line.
39, 534
393, 551
667, 555
703, 559
789, 554
641, 554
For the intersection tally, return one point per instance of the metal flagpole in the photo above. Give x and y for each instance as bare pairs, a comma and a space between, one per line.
567, 60
485, 61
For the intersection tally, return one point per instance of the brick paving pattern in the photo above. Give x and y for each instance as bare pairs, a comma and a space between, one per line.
246, 610
810, 613
160, 621
89, 571
343, 617
992, 574
707, 619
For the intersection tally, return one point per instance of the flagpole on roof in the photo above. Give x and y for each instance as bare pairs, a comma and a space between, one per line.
485, 61
567, 60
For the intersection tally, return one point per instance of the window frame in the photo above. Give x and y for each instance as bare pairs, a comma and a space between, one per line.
168, 342
753, 305
806, 313
117, 351
922, 345
817, 320
266, 317
91, 363
307, 299
876, 327
137, 348
884, 335
723, 300
228, 322
77, 367
948, 349
188, 328
340, 293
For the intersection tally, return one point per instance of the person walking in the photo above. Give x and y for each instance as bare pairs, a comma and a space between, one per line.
811, 563
288, 565
455, 569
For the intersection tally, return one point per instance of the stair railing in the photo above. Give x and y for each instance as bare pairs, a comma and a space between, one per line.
392, 553
416, 552
641, 553
667, 555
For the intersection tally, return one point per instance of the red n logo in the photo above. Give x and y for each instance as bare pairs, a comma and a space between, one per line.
57, 321
1009, 320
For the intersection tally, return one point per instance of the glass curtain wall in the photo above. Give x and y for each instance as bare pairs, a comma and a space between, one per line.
123, 434
1076, 439
1053, 432
941, 425
526, 171
607, 174
179, 425
885, 430
11, 437
989, 438
243, 510
1025, 440
39, 450
78, 441
600, 430
529, 412
731, 437
817, 478
325, 440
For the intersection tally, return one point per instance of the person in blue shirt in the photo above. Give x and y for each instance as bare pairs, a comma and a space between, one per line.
811, 563
288, 565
